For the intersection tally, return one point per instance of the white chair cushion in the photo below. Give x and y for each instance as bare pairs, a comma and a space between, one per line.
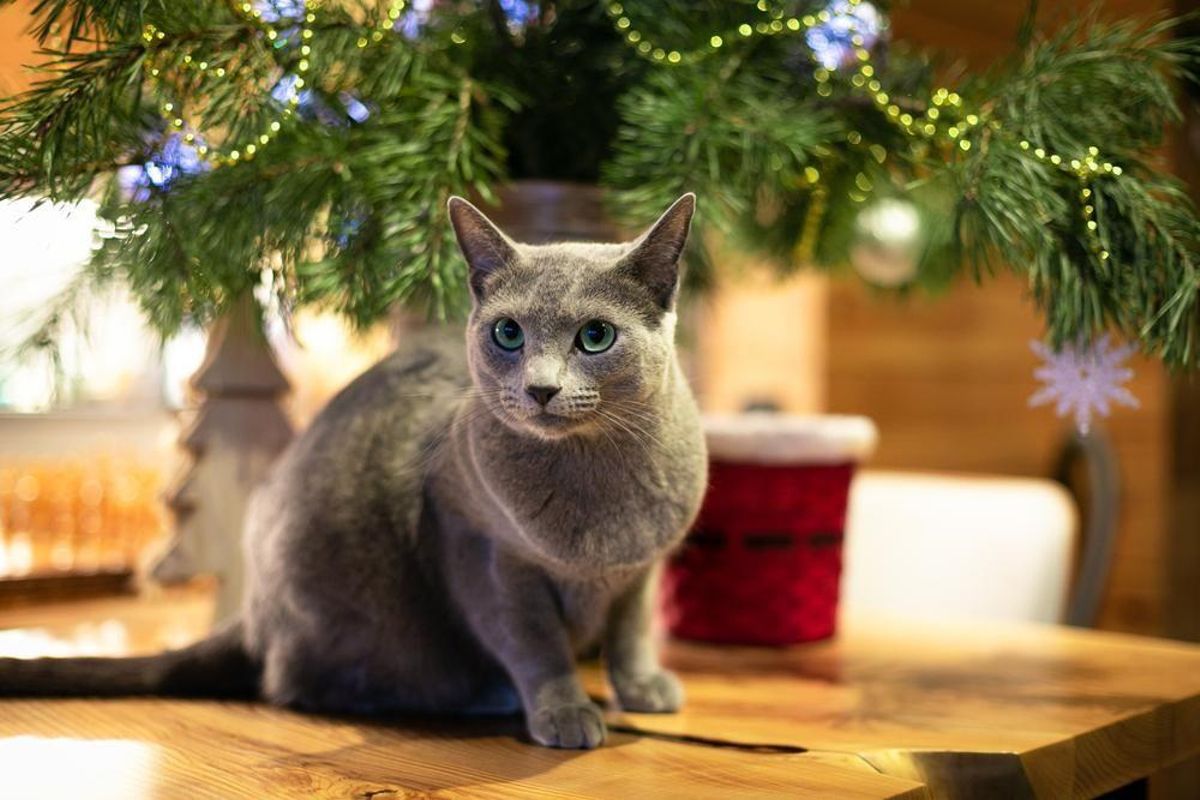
942, 546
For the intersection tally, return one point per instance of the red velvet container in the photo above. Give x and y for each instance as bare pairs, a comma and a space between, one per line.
763, 563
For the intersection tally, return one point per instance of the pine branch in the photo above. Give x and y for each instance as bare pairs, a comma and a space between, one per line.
81, 117
349, 213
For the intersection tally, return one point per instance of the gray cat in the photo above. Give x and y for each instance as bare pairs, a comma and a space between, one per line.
451, 533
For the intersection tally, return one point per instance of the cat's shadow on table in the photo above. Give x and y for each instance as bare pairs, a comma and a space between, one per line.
432, 754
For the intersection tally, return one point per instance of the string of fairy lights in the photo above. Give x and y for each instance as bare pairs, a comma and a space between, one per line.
944, 115
301, 27
942, 119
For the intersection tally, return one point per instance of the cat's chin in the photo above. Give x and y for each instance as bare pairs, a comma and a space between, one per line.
548, 426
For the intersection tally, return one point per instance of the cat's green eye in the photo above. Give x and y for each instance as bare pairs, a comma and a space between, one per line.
507, 334
595, 336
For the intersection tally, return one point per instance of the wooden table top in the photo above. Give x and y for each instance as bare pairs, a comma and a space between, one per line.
882, 711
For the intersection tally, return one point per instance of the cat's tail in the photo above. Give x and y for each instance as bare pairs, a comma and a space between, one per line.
216, 667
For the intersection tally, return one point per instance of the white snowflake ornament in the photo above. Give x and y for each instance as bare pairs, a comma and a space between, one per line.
1084, 379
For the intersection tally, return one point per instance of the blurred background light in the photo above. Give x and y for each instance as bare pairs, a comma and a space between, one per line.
831, 42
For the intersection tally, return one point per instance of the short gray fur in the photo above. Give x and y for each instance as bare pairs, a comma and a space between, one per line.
438, 539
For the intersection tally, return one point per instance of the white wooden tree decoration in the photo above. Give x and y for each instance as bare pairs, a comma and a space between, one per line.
238, 431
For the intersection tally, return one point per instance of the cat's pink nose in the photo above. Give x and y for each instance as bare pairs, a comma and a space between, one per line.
542, 393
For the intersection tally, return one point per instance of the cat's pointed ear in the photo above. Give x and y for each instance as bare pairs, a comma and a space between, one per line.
483, 245
654, 258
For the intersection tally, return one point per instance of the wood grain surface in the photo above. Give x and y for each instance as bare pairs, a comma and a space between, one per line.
882, 711
984, 711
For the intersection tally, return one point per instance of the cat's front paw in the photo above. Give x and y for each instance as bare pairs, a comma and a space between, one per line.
569, 725
657, 693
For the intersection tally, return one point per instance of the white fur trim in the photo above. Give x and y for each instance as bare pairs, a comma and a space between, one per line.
765, 438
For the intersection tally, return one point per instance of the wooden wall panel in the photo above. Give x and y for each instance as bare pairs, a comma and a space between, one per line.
948, 380
17, 48
762, 341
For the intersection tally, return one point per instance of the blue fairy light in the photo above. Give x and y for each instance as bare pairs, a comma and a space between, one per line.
520, 13
173, 159
312, 108
347, 229
830, 41
356, 109
285, 92
412, 23
278, 10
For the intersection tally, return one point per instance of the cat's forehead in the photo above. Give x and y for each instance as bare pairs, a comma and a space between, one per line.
568, 281
569, 264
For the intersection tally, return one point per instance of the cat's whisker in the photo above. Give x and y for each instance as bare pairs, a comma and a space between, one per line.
634, 434
638, 424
